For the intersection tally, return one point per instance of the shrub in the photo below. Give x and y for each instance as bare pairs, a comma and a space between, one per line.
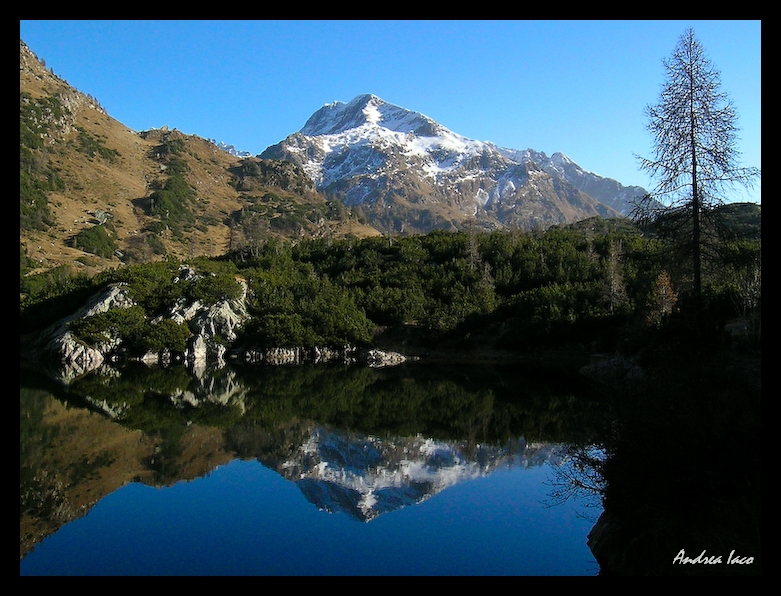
91, 146
102, 327
212, 288
95, 240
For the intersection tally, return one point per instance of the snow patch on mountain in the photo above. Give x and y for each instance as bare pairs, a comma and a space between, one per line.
231, 149
371, 150
371, 123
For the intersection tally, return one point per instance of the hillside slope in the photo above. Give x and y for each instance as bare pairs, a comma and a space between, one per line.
81, 168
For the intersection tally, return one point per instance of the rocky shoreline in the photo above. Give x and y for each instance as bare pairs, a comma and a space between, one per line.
214, 334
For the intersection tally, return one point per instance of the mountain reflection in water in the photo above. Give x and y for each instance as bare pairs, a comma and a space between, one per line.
367, 476
358, 441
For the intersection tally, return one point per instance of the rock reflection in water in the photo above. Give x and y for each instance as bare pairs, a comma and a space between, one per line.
413, 433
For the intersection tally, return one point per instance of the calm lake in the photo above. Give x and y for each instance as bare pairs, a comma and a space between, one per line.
418, 469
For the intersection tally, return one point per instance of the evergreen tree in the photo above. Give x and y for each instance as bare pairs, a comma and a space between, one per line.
694, 128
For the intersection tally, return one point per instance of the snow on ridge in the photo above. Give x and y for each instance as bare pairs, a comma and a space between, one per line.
367, 138
368, 123
379, 117
385, 126
372, 114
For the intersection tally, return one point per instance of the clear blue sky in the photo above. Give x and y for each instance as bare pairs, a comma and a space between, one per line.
578, 87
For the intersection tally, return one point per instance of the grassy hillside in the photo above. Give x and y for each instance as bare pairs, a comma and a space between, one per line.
153, 193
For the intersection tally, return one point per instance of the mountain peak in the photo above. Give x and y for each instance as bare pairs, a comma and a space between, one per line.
408, 172
367, 110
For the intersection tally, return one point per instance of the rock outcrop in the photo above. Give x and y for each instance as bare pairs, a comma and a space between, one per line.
214, 327
319, 355
58, 343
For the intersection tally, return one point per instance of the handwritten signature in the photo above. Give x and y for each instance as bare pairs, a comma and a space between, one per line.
704, 559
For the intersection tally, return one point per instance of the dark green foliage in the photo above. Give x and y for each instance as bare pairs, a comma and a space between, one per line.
169, 147
173, 199
135, 333
36, 116
176, 166
95, 240
163, 335
155, 288
36, 177
151, 285
444, 280
93, 147
291, 306
173, 203
575, 287
101, 327
48, 296
597, 226
742, 220
156, 244
212, 288
34, 212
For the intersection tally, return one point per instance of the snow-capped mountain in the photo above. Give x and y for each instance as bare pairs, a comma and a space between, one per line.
606, 190
410, 174
231, 149
366, 476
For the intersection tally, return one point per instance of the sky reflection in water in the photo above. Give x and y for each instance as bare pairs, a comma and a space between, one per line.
245, 519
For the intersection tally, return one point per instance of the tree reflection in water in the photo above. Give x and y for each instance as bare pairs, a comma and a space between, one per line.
390, 437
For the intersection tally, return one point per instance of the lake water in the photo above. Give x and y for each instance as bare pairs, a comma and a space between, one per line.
415, 470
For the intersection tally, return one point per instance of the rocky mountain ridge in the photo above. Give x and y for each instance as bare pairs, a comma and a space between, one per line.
357, 169
410, 173
606, 190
